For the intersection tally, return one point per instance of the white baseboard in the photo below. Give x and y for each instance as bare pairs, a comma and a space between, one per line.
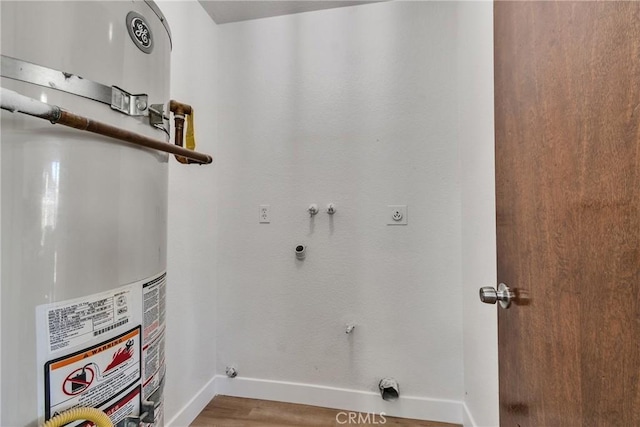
450, 411
467, 418
190, 411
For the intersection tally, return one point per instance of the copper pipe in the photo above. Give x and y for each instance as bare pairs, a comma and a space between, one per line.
15, 102
179, 110
179, 135
84, 123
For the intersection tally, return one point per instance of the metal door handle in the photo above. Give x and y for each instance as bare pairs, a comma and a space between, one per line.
504, 295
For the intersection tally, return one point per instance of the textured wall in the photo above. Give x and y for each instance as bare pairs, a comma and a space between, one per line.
355, 106
193, 190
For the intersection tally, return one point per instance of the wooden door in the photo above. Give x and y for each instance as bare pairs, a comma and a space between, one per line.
567, 103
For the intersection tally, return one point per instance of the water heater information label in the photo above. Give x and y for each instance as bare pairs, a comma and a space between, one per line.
77, 322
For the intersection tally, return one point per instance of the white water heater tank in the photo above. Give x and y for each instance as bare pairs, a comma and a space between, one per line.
83, 218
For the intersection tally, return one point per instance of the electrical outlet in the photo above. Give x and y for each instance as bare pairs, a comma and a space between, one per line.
397, 215
265, 216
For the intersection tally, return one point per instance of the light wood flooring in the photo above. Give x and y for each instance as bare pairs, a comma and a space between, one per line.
225, 411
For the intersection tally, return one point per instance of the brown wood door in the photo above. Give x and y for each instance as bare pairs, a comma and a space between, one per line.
567, 103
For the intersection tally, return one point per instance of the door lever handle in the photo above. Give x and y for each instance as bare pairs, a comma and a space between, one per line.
504, 295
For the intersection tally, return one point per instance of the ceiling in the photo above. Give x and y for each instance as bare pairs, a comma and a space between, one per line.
223, 12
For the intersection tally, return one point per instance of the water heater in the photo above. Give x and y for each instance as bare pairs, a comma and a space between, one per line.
83, 218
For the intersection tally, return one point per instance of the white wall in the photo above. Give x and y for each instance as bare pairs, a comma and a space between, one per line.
475, 126
355, 106
191, 290
363, 107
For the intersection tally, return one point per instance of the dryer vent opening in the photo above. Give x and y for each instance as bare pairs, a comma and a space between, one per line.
389, 389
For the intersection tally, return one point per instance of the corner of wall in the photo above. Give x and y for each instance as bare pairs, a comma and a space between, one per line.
192, 408
467, 418
476, 136
192, 220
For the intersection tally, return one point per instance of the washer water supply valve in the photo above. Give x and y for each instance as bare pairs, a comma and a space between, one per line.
312, 209
331, 208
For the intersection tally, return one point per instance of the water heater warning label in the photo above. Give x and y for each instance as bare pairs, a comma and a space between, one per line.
79, 321
94, 376
104, 350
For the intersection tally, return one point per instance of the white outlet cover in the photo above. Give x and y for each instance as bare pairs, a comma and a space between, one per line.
264, 214
397, 215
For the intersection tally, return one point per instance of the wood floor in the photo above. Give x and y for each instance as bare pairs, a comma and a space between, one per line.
225, 411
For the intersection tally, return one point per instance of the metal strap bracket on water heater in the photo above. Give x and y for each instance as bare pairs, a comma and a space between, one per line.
118, 98
127, 103
156, 116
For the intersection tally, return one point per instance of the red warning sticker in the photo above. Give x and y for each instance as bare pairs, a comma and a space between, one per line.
93, 376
